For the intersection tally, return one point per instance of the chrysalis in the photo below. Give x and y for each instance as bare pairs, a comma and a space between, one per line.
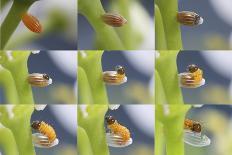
114, 19
189, 18
32, 23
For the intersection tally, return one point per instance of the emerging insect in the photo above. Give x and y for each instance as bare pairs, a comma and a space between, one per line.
119, 136
193, 135
46, 136
113, 19
116, 77
189, 18
192, 125
32, 23
39, 80
193, 78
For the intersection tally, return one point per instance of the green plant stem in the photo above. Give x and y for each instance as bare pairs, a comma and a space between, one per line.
84, 147
8, 84
12, 20
91, 64
160, 41
7, 141
172, 121
167, 69
84, 90
106, 35
170, 108
18, 121
127, 31
95, 120
159, 138
18, 68
169, 10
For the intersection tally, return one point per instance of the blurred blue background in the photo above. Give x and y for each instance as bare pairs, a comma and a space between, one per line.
215, 32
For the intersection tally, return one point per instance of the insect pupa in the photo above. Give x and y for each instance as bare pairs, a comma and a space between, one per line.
193, 78
32, 23
113, 19
119, 135
39, 80
189, 18
44, 129
116, 77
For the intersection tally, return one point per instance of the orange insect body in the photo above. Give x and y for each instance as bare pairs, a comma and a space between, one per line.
192, 125
113, 77
195, 72
197, 75
118, 129
193, 77
32, 23
45, 129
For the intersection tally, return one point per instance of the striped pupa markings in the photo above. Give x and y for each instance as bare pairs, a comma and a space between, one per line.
189, 18
39, 80
116, 77
113, 19
32, 23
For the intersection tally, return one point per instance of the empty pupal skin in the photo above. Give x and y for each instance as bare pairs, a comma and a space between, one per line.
196, 139
116, 77
189, 18
39, 80
114, 140
42, 141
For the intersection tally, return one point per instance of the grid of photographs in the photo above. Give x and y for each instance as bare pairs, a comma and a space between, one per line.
115, 77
